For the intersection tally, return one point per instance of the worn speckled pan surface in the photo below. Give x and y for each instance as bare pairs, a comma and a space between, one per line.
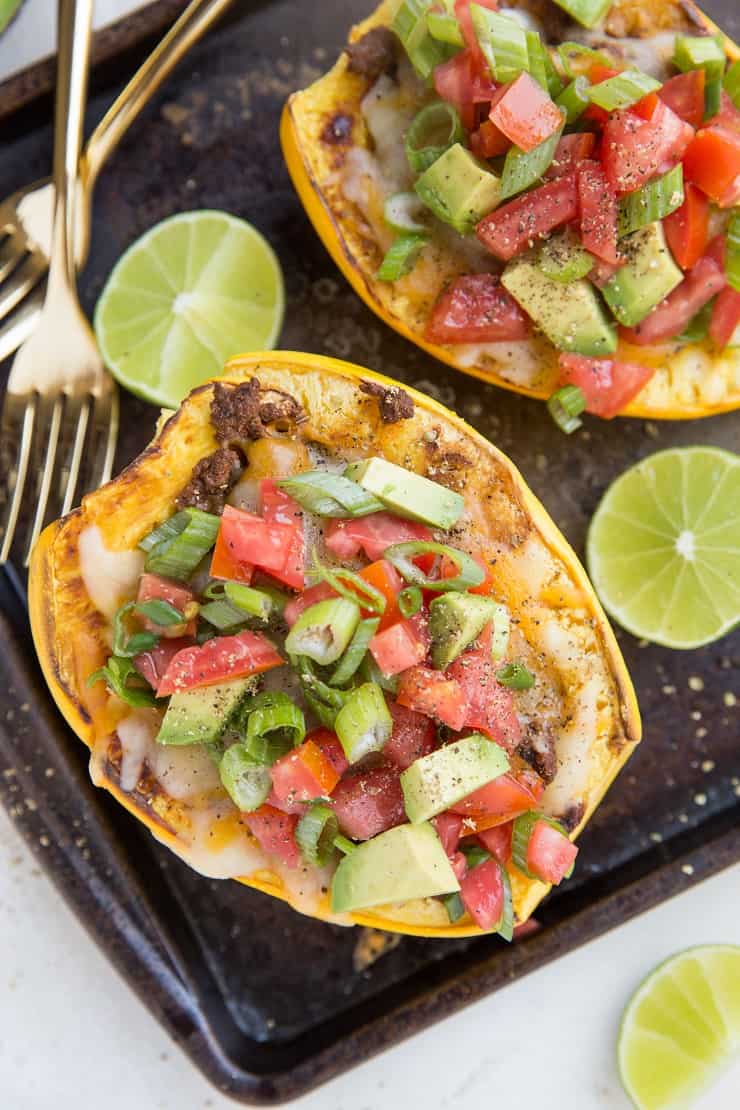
208, 958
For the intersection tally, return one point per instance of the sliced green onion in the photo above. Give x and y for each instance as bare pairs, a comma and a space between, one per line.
177, 556
523, 826
700, 52
315, 834
233, 602
523, 167
453, 903
433, 131
554, 80
364, 723
586, 12
355, 653
536, 59
565, 405
330, 494
503, 42
445, 28
576, 59
474, 854
323, 631
400, 258
167, 530
323, 700
404, 212
274, 725
126, 646
161, 613
344, 845
574, 99
515, 676
506, 925
255, 603
622, 90
371, 672
221, 615
732, 255
731, 83
247, 782
410, 601
358, 589
401, 556
410, 24
501, 627
651, 202
712, 97
698, 326
116, 674
563, 257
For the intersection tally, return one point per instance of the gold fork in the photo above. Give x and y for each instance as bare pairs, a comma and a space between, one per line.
58, 385
26, 216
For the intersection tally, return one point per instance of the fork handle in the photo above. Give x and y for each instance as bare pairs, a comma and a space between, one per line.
184, 33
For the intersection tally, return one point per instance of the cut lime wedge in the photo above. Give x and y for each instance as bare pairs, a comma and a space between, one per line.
681, 1027
195, 290
663, 548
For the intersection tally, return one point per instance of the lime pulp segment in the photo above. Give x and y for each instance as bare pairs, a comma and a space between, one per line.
681, 1028
194, 291
663, 547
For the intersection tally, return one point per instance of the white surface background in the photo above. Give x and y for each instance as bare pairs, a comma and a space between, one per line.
72, 1037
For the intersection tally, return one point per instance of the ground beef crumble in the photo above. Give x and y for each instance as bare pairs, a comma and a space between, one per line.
373, 54
211, 480
394, 403
238, 413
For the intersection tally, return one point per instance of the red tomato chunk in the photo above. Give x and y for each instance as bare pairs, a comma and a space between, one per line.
152, 587
369, 802
219, 659
413, 736
634, 149
550, 855
525, 113
303, 774
401, 646
449, 827
607, 385
510, 229
482, 893
496, 803
476, 308
275, 832
429, 692
371, 534
598, 212
687, 229
725, 317
497, 841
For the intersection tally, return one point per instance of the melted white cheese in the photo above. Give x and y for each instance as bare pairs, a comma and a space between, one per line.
184, 772
136, 735
110, 577
206, 854
574, 751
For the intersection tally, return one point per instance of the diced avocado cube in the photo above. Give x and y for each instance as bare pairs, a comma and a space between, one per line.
444, 777
407, 494
201, 716
404, 863
455, 620
570, 315
648, 275
459, 189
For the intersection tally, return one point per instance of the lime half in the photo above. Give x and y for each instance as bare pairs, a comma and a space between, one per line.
195, 290
663, 548
681, 1027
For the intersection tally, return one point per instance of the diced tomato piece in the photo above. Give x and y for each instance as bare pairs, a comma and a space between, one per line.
634, 149
684, 95
271, 547
670, 317
488, 585
286, 805
525, 113
218, 660
312, 596
599, 71
497, 841
465, 19
487, 141
152, 587
713, 163
717, 251
510, 229
327, 740
304, 773
550, 855
279, 508
646, 107
725, 317
152, 665
384, 577
413, 736
607, 385
275, 832
497, 802
482, 893
459, 865
434, 694
369, 802
449, 827
225, 565
598, 207
475, 308
402, 645
462, 83
490, 707
571, 150
728, 115
372, 534
687, 229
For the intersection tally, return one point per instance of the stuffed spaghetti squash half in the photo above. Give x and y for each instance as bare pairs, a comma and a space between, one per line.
549, 206
320, 637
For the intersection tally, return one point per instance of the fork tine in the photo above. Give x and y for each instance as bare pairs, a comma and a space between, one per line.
79, 442
24, 278
105, 430
12, 250
24, 455
52, 441
16, 330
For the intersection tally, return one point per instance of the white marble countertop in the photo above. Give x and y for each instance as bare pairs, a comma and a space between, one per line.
71, 1033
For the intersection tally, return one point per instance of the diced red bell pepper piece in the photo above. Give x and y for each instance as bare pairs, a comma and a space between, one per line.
671, 316
449, 828
725, 317
219, 659
525, 113
684, 95
712, 162
434, 694
475, 308
275, 832
482, 893
303, 773
550, 855
607, 384
497, 841
372, 534
598, 207
369, 802
510, 229
687, 229
570, 151
402, 645
153, 587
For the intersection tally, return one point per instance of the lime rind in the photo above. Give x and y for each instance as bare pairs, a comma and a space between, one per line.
663, 548
193, 291
681, 1028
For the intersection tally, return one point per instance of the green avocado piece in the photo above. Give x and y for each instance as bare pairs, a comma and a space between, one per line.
437, 781
201, 716
570, 314
455, 620
407, 494
648, 275
404, 863
459, 189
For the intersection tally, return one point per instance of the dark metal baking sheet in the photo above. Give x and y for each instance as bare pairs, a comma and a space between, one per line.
213, 961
